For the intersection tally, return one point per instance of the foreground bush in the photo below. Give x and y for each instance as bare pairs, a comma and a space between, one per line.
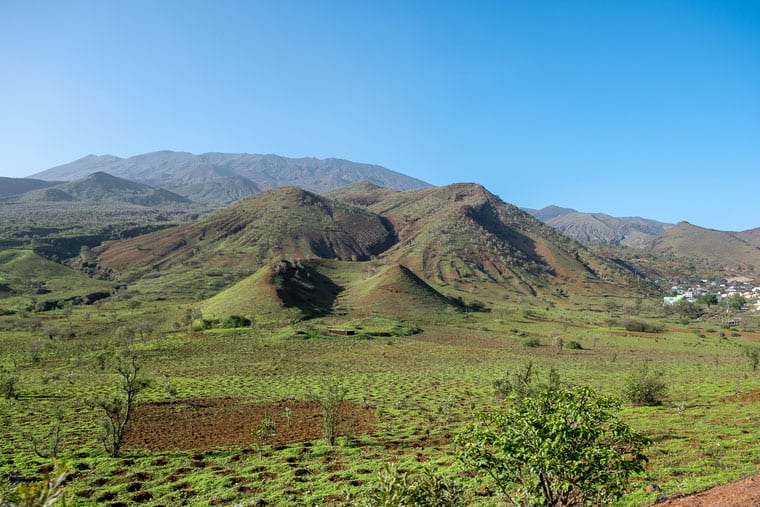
47, 492
560, 447
423, 489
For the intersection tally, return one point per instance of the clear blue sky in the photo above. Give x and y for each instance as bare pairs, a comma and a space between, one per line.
629, 108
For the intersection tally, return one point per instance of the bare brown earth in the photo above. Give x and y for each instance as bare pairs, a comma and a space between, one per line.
744, 493
204, 424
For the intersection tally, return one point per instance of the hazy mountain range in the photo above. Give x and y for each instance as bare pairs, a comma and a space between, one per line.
222, 178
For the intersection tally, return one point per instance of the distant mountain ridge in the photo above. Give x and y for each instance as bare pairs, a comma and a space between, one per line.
707, 251
599, 228
738, 250
16, 186
222, 178
98, 187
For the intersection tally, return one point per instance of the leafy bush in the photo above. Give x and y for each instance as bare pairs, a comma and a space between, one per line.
641, 326
201, 324
574, 345
644, 387
423, 489
8, 386
531, 342
561, 447
235, 321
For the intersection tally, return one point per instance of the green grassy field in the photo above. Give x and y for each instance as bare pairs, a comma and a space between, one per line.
414, 382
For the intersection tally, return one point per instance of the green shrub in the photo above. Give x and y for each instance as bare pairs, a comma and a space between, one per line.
265, 431
574, 345
422, 489
644, 387
531, 342
561, 447
641, 326
8, 386
201, 324
235, 321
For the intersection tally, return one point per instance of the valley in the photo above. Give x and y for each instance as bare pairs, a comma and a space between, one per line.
404, 309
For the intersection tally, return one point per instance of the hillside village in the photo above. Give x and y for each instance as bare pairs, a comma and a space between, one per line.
739, 289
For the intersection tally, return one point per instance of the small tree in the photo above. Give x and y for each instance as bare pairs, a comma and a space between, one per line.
264, 432
524, 383
561, 447
708, 300
48, 445
116, 410
329, 401
8, 386
737, 301
753, 356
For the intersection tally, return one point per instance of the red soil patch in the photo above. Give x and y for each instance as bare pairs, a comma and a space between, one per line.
750, 397
745, 493
205, 424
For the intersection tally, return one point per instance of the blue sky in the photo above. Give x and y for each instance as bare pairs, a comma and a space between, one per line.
628, 108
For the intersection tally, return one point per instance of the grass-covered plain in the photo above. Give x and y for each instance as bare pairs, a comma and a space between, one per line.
416, 382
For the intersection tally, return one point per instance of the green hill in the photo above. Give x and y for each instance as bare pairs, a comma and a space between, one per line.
285, 223
25, 275
463, 237
416, 251
281, 291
